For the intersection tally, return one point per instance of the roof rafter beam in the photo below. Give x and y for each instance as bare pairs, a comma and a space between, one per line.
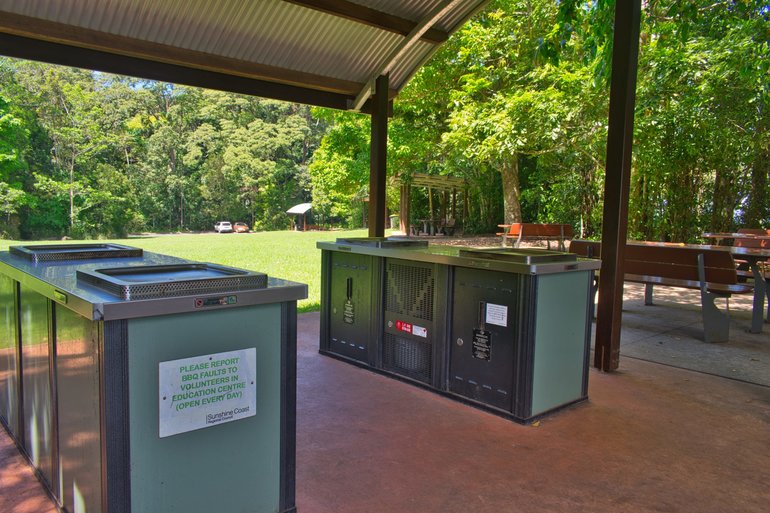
66, 55
372, 17
53, 32
409, 41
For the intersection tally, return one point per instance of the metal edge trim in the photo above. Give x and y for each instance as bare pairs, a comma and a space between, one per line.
151, 307
525, 365
420, 255
288, 450
53, 385
182, 304
115, 428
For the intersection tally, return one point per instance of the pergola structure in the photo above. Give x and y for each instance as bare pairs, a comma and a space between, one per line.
447, 187
345, 54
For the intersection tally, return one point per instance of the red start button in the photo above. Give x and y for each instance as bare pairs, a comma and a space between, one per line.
404, 326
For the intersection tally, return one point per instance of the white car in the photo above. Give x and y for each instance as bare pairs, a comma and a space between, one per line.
223, 227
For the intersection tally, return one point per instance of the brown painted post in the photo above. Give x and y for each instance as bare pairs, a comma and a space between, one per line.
444, 206
403, 211
465, 206
617, 181
378, 158
430, 209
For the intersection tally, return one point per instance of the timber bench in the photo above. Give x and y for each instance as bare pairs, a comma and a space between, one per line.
536, 231
712, 271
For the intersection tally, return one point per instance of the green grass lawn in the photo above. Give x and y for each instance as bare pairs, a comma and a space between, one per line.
285, 254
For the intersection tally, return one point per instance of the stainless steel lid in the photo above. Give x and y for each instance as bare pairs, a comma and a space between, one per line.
384, 242
65, 252
520, 255
159, 281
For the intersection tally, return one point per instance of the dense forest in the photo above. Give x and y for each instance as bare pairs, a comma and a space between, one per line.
515, 103
88, 154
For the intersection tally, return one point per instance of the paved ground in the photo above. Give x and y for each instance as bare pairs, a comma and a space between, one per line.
671, 332
651, 438
20, 492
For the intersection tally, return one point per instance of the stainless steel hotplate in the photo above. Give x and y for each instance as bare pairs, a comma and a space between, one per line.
64, 252
384, 242
527, 256
159, 281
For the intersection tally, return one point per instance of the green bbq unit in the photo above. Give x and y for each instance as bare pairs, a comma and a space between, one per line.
136, 382
506, 330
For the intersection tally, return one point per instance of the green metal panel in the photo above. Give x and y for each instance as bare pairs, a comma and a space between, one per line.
9, 379
36, 382
231, 467
560, 339
77, 380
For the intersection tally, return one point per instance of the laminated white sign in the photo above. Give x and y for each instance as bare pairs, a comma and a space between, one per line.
203, 391
497, 315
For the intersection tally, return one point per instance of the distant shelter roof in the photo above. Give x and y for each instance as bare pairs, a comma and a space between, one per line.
318, 52
300, 209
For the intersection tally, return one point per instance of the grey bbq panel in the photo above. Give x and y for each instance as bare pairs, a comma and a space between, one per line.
9, 379
77, 379
483, 354
36, 377
351, 304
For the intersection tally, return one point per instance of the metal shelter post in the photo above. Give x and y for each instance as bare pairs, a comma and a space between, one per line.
617, 182
378, 158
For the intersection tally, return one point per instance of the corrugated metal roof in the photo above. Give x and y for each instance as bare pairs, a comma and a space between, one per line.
300, 209
338, 47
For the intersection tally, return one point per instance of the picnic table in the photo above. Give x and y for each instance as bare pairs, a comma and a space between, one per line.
437, 226
762, 241
756, 259
536, 231
710, 269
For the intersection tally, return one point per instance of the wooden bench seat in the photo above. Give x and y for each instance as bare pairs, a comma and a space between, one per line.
711, 271
536, 231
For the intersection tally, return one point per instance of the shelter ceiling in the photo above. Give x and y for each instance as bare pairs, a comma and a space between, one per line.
320, 52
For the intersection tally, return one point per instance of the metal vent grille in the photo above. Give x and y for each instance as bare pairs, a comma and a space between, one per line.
409, 290
411, 358
181, 287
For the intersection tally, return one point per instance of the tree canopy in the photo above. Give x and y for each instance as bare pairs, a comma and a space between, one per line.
88, 154
515, 103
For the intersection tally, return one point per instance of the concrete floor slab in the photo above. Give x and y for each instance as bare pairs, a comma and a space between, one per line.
671, 332
651, 437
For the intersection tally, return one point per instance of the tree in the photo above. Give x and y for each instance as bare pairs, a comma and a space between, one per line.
531, 91
13, 143
339, 172
703, 79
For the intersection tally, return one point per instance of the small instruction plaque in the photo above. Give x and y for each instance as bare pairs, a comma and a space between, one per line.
497, 315
348, 313
482, 343
203, 391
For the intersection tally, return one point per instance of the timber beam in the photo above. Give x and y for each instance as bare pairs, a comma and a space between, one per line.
373, 18
625, 57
